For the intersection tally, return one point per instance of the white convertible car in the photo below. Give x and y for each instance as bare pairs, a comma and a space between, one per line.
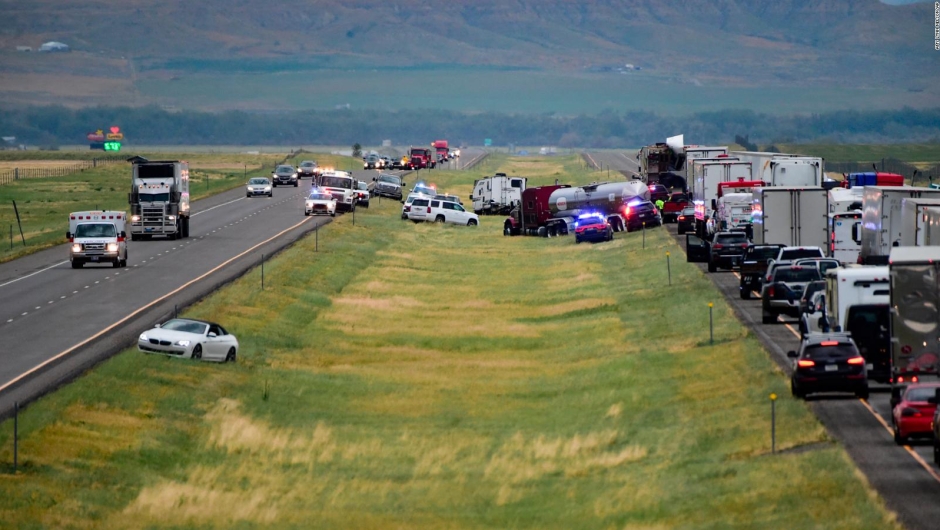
190, 339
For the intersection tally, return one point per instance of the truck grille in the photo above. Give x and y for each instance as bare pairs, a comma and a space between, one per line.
152, 216
93, 246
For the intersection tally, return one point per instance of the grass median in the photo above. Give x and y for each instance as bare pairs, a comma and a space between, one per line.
415, 375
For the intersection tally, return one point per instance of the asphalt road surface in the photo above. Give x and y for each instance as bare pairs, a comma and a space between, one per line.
623, 162
904, 476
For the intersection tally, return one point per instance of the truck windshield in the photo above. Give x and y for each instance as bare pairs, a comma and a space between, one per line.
761, 253
796, 275
336, 182
390, 180
95, 230
155, 197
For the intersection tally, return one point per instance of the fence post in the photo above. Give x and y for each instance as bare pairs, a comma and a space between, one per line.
94, 162
16, 173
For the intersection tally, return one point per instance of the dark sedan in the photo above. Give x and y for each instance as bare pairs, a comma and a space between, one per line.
685, 221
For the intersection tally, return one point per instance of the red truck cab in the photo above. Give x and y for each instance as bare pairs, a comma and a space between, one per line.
674, 205
421, 158
534, 213
443, 151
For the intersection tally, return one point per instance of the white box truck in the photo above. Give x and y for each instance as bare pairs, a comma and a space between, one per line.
915, 313
698, 152
497, 194
914, 220
845, 236
779, 169
857, 301
791, 216
708, 174
97, 237
881, 219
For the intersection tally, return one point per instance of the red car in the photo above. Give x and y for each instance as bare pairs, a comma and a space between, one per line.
914, 413
593, 227
673, 207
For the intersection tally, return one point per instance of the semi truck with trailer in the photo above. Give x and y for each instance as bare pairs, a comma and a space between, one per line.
159, 199
97, 237
845, 236
881, 219
915, 314
791, 216
442, 150
497, 194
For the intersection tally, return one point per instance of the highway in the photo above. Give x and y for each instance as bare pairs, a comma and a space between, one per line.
56, 322
624, 162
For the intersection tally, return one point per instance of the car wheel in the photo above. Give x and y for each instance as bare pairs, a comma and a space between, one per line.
333, 213
306, 213
898, 439
745, 292
577, 240
439, 219
230, 356
296, 183
862, 393
248, 195
797, 393
472, 222
197, 352
711, 266
936, 452
768, 318
680, 231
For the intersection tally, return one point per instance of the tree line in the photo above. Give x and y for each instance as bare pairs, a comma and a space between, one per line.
152, 125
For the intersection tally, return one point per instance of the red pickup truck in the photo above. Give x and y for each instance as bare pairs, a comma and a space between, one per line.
674, 205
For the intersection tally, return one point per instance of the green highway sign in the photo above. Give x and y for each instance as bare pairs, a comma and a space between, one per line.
488, 142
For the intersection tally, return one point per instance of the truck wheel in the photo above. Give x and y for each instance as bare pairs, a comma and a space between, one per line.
711, 266
295, 183
768, 318
936, 452
745, 292
116, 264
124, 261
134, 237
76, 264
439, 219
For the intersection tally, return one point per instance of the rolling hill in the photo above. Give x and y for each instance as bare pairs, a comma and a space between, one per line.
120, 47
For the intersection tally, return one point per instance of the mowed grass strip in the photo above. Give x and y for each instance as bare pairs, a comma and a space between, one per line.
44, 203
448, 377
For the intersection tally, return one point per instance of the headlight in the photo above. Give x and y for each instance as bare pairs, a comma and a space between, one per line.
310, 204
183, 343
267, 188
112, 247
77, 247
171, 218
135, 218
143, 337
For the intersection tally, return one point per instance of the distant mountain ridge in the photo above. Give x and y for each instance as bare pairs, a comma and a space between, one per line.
740, 42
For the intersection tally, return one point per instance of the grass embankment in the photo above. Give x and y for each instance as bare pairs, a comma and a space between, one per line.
44, 204
438, 376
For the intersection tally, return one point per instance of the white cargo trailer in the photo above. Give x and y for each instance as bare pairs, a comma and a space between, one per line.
779, 169
914, 220
497, 194
932, 228
698, 152
707, 175
792, 216
881, 219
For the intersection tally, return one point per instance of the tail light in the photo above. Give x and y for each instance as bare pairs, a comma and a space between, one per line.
717, 246
806, 363
429, 209
771, 292
856, 360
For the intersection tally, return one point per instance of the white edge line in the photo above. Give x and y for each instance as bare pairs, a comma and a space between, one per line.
34, 273
143, 308
216, 206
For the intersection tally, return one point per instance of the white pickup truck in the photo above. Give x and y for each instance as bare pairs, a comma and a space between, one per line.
97, 237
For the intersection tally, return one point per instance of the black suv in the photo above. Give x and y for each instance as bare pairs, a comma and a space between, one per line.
754, 265
726, 250
828, 362
641, 214
284, 175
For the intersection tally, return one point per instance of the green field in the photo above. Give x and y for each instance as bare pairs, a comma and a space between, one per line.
921, 155
522, 91
411, 375
44, 204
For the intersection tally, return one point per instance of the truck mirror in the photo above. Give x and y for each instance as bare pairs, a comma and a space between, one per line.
855, 233
373, 179
895, 396
68, 235
123, 234
791, 354
714, 204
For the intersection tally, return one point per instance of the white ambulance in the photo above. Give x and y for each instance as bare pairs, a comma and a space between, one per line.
97, 237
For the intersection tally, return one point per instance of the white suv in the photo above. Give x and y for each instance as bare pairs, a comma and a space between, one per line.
449, 211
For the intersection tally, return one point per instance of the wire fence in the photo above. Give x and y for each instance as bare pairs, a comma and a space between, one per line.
886, 165
10, 175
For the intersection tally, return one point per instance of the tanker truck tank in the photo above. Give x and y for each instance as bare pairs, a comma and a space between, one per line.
608, 198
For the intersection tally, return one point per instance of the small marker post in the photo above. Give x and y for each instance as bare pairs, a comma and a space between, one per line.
668, 268
773, 423
711, 324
